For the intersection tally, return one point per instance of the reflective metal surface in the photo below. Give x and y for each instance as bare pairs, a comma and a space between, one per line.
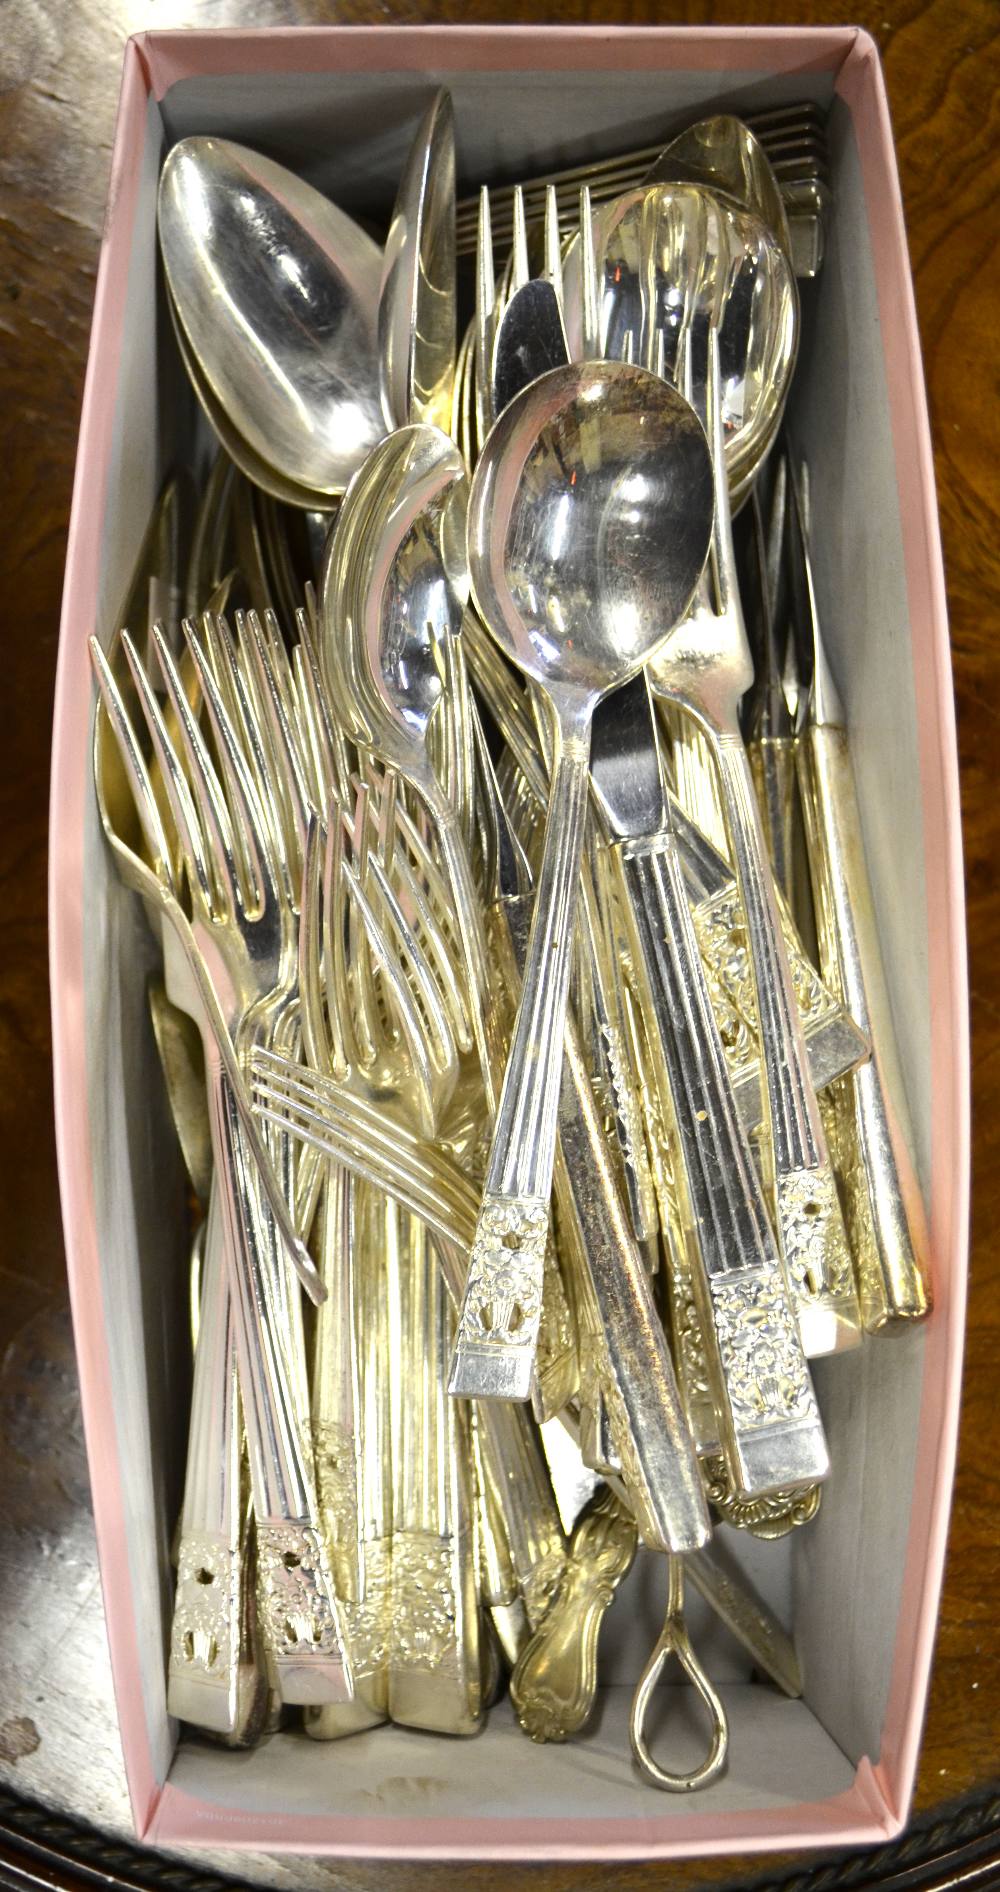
416, 310
277, 291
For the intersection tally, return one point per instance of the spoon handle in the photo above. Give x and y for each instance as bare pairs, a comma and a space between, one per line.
498, 1322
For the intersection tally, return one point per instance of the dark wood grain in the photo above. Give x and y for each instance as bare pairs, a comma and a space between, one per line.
59, 70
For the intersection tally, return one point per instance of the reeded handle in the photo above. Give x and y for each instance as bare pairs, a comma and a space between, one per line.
298, 1607
498, 1325
772, 1430
885, 1207
555, 1680
811, 1231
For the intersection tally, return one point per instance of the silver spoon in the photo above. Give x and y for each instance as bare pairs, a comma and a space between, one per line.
277, 292
394, 589
590, 516
664, 252
416, 310
723, 153
239, 451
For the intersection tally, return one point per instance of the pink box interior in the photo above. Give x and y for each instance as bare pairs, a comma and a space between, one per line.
860, 1588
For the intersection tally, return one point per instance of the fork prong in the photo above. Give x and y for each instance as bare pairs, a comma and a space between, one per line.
588, 270
189, 831
134, 764
315, 1040
343, 1049
275, 679
333, 735
202, 776
247, 814
519, 251
405, 948
399, 997
553, 244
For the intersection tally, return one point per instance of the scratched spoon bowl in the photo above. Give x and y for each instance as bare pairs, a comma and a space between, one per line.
277, 292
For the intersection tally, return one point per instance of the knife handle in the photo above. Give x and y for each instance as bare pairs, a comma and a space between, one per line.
772, 1431
885, 1208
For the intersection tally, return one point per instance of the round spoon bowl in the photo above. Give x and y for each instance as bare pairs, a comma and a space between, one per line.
590, 515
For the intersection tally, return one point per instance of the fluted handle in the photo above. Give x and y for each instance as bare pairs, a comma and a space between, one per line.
771, 1426
498, 1325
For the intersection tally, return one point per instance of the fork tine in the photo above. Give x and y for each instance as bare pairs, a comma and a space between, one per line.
519, 255
202, 776
429, 1172
343, 1053
333, 736
249, 821
275, 681
399, 996
133, 763
588, 271
553, 244
441, 1044
315, 1040
182, 807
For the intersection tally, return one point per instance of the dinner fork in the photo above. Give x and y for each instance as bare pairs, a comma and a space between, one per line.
235, 952
705, 666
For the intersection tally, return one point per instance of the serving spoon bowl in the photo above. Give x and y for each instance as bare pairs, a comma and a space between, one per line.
277, 293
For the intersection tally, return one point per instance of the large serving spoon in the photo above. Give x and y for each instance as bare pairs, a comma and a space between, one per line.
722, 152
416, 310
277, 292
244, 457
590, 516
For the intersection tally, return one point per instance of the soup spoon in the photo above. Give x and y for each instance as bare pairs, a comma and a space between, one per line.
590, 516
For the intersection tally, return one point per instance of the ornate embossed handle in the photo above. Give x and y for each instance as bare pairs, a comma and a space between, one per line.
555, 1681
674, 1640
498, 1324
299, 1613
810, 1223
638, 1385
885, 1207
771, 1426
212, 1680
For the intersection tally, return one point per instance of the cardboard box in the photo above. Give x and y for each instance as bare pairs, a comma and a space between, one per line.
861, 1585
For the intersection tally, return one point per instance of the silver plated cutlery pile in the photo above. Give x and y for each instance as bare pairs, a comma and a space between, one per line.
522, 1012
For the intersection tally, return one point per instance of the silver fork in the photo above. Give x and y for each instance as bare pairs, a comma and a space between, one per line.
243, 957
706, 667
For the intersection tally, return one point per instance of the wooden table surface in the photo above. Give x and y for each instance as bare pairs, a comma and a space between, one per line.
59, 73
